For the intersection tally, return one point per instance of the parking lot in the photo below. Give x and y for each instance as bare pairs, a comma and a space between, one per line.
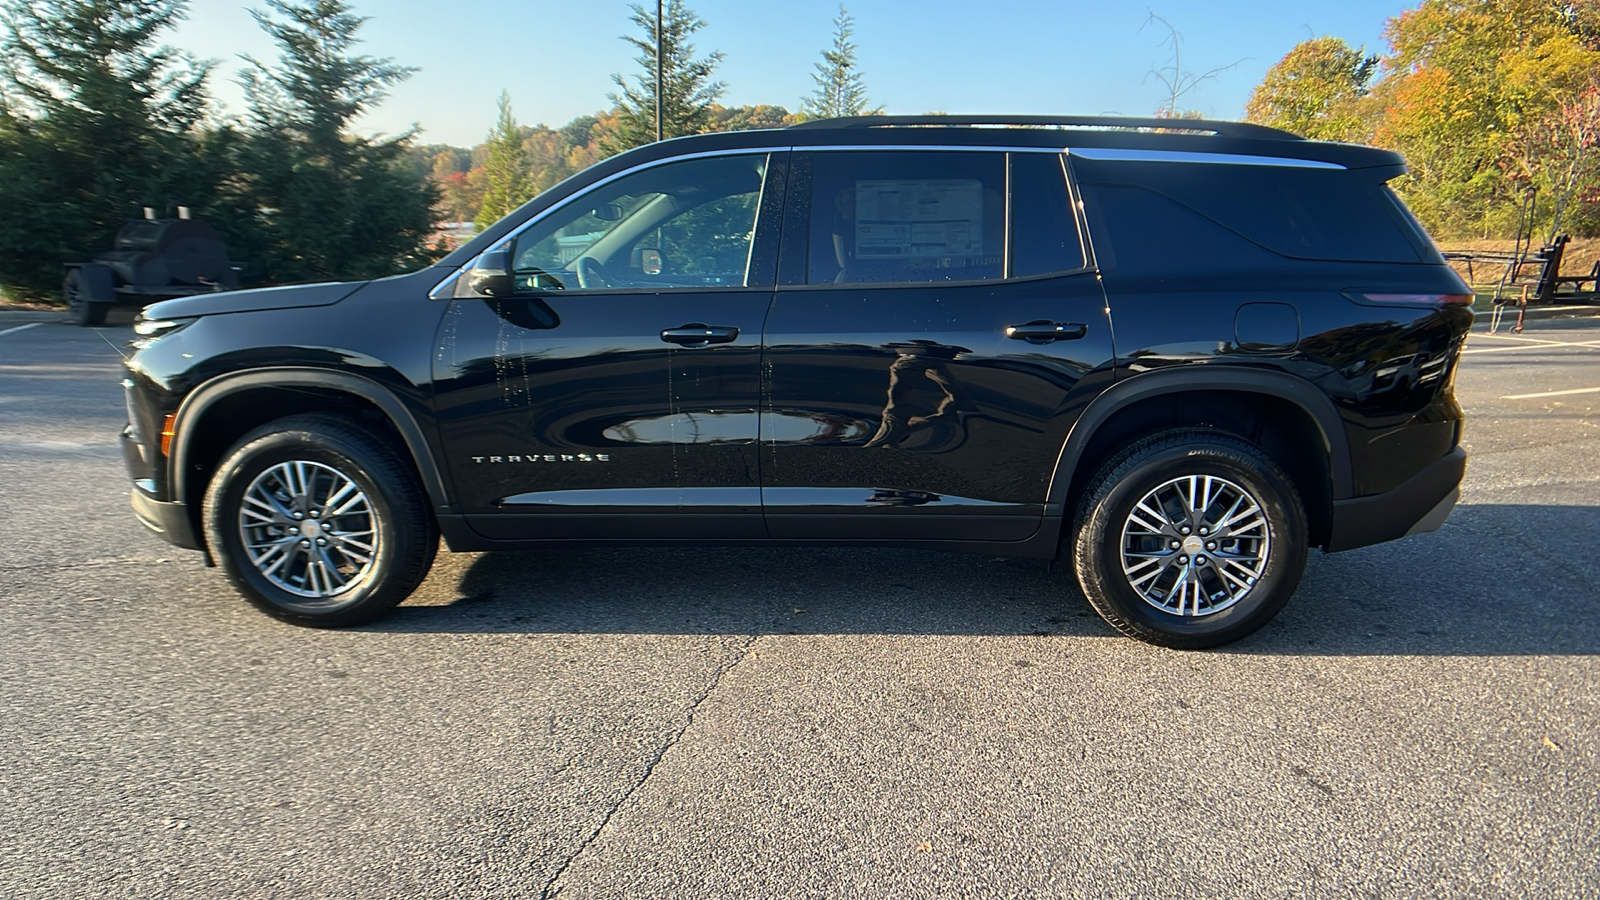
1423, 720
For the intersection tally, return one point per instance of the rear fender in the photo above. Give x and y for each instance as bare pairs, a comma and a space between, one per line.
1127, 392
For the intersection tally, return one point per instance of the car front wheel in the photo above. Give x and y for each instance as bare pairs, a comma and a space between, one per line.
1189, 539
318, 522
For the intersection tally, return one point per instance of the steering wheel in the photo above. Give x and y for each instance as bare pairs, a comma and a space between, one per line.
591, 273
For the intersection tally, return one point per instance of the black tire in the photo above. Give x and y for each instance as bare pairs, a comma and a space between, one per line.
1217, 600
288, 468
84, 311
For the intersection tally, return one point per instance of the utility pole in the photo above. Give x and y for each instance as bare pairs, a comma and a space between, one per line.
658, 70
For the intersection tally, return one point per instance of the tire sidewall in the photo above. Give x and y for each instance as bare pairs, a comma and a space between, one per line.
226, 493
1285, 560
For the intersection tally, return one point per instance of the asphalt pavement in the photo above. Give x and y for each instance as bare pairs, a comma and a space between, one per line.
1423, 720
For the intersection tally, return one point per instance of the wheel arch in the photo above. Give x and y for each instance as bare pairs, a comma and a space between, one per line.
1274, 409
216, 414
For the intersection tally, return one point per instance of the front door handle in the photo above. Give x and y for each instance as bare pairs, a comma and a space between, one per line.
1043, 331
696, 334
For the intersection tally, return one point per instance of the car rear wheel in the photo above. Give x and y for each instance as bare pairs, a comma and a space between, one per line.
1189, 539
319, 523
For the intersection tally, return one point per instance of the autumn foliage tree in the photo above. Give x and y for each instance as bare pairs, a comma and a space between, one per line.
1484, 98
1316, 91
1559, 155
1446, 102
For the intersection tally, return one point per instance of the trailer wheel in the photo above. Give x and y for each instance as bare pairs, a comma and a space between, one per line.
84, 310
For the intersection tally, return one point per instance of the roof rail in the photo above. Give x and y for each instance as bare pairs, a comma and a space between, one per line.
1108, 123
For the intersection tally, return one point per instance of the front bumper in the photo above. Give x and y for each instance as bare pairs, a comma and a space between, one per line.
1420, 503
170, 520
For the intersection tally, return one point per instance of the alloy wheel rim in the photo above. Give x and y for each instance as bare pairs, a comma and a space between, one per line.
310, 530
1195, 546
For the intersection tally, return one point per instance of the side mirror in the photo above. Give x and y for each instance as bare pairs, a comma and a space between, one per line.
650, 262
647, 260
490, 275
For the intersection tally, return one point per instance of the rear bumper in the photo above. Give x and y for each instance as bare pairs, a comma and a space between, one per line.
170, 520
1420, 503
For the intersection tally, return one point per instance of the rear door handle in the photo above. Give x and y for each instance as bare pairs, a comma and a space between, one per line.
1043, 331
696, 334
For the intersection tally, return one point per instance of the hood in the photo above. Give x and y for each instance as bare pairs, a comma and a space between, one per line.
288, 297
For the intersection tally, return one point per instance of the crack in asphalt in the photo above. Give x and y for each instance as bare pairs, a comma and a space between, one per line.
1561, 563
550, 890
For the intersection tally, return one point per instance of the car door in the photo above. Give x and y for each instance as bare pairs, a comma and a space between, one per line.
613, 391
935, 330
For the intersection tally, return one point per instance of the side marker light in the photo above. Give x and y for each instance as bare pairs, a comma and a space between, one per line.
167, 431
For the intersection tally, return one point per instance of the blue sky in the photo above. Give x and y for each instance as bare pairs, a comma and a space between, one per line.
996, 56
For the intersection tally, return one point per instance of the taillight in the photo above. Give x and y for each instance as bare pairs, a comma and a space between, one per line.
1433, 300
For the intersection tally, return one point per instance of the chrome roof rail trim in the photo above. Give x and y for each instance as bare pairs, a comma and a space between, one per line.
1082, 123
1189, 156
948, 148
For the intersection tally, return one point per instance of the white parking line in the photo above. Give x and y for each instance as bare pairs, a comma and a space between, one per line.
1514, 337
20, 328
1551, 345
1593, 390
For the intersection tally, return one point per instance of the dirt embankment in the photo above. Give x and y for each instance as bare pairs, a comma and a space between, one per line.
8, 303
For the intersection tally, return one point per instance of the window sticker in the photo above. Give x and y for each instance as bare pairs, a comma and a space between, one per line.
935, 217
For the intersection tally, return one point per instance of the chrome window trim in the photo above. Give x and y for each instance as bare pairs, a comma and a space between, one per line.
440, 292
445, 288
944, 148
1010, 224
1189, 156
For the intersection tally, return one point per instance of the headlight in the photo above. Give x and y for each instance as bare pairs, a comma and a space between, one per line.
154, 328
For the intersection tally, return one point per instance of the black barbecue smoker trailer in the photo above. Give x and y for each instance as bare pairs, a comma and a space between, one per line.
153, 259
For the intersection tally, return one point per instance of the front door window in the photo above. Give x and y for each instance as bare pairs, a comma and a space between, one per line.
686, 225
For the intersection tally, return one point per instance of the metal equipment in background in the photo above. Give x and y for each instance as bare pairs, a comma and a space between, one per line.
1528, 274
153, 259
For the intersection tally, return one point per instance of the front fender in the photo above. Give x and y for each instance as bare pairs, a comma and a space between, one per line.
194, 408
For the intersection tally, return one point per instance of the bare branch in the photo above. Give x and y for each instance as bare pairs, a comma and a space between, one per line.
1174, 78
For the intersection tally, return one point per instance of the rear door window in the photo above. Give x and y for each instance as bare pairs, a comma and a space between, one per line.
907, 216
1044, 231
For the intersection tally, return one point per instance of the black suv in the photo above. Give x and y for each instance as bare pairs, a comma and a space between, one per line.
1189, 351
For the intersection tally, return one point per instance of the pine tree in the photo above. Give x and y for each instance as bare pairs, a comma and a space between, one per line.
97, 119
506, 169
687, 91
318, 202
841, 90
